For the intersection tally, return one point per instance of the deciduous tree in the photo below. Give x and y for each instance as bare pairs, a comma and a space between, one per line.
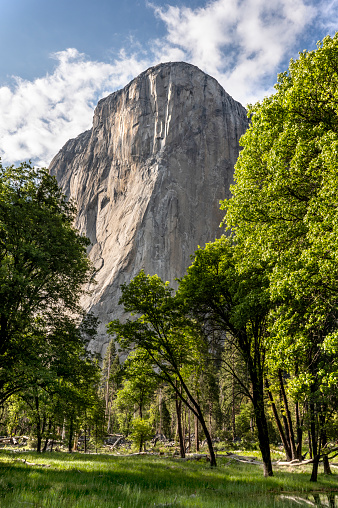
284, 212
43, 268
163, 332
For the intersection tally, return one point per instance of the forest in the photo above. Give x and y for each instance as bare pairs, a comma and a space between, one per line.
242, 354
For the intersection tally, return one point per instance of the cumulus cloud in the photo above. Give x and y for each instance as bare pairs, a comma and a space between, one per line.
239, 42
38, 117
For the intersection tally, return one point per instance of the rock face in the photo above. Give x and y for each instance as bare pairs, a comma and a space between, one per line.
148, 177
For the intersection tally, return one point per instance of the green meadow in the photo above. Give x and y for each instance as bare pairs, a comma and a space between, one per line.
104, 480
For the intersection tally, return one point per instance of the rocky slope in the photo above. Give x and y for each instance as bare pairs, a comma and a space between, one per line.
148, 177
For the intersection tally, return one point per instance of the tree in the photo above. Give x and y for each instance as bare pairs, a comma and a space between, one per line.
141, 432
43, 269
163, 332
140, 383
235, 304
284, 212
61, 376
110, 380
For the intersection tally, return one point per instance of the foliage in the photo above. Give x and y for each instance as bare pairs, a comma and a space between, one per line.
111, 376
142, 431
284, 213
235, 305
165, 335
44, 333
43, 269
137, 390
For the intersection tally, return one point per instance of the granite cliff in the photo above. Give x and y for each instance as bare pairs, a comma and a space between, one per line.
148, 177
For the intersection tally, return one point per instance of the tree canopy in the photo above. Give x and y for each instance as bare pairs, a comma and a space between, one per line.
235, 304
164, 333
284, 213
43, 269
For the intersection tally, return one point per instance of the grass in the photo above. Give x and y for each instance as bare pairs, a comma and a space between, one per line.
92, 481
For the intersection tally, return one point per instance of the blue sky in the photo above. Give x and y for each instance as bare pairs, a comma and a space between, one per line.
58, 58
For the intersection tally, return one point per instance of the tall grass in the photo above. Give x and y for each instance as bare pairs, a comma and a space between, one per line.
92, 481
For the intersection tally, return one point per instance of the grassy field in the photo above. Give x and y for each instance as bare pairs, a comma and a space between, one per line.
92, 481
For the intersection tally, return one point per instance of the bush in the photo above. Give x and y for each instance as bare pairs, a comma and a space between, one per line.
141, 432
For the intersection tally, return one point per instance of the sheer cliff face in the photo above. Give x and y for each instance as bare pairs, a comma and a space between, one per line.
148, 177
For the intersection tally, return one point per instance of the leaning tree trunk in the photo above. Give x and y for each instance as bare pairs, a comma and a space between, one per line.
193, 404
289, 426
208, 438
278, 423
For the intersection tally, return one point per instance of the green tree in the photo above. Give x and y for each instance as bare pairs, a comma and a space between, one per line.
62, 376
284, 212
141, 432
235, 304
110, 381
143, 381
43, 269
169, 340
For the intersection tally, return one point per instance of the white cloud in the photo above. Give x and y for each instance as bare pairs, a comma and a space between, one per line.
239, 42
38, 117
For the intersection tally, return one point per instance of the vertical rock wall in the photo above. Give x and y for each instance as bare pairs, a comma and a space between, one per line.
148, 177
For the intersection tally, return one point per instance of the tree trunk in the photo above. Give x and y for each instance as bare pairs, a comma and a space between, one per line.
314, 443
63, 434
39, 428
299, 433
210, 417
197, 439
76, 440
233, 407
288, 416
233, 415
47, 438
109, 418
331, 500
160, 410
179, 425
262, 429
326, 463
314, 473
71, 432
279, 423
209, 440
189, 430
310, 445
107, 383
38, 442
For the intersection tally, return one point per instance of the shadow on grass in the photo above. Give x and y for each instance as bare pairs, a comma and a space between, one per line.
78, 480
